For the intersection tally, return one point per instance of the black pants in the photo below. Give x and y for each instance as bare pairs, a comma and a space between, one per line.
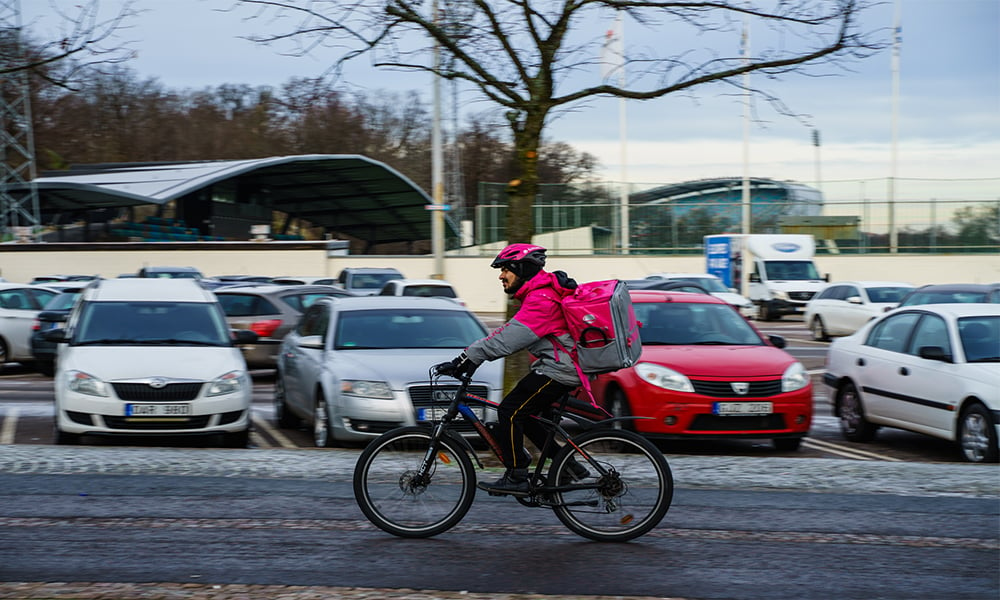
533, 395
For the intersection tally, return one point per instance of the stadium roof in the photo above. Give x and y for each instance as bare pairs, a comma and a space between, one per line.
348, 194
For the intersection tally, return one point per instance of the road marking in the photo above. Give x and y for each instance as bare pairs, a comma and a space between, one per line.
9, 426
839, 450
274, 433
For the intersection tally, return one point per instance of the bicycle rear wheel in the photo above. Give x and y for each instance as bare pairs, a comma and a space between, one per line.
391, 493
625, 503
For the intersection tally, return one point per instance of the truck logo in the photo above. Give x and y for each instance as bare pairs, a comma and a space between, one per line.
786, 246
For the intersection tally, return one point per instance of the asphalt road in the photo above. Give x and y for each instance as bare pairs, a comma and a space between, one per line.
234, 524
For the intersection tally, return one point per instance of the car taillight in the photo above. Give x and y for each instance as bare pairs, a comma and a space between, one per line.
265, 328
36, 325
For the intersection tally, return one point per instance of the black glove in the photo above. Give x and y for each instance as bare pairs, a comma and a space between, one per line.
458, 367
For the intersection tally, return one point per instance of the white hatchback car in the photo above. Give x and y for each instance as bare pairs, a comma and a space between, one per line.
844, 307
421, 288
932, 369
142, 357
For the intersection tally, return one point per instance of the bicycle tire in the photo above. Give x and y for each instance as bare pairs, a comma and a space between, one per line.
388, 495
628, 502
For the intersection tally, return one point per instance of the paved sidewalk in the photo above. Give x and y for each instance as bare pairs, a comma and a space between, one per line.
720, 472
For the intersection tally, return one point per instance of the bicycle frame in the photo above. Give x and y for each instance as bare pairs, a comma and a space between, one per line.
460, 405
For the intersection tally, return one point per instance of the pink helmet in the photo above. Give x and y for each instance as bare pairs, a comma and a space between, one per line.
517, 254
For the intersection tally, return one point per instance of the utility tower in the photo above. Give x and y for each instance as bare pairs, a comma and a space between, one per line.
18, 194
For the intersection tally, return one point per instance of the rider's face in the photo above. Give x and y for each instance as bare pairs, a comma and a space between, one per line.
507, 278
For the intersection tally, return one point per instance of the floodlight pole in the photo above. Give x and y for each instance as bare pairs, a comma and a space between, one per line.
437, 167
893, 153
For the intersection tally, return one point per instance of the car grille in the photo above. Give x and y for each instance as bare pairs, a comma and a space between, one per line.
172, 392
723, 389
421, 397
737, 423
153, 424
801, 296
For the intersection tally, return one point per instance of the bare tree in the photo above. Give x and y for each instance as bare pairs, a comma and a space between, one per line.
530, 57
86, 39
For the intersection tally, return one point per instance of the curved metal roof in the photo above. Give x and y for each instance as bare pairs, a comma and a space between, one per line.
349, 194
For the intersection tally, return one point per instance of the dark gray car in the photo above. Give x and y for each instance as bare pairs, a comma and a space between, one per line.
270, 311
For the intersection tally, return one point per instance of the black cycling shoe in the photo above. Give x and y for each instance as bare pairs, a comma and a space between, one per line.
513, 483
575, 471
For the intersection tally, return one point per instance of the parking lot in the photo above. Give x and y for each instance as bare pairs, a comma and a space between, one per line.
26, 413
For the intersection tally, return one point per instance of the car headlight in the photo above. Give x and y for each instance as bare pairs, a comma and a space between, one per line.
230, 383
85, 383
779, 295
795, 378
366, 389
663, 377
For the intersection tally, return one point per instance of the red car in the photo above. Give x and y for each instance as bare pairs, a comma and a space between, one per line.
706, 372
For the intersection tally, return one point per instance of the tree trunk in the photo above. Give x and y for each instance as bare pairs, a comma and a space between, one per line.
520, 217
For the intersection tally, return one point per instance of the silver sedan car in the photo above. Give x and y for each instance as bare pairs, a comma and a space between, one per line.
270, 311
357, 367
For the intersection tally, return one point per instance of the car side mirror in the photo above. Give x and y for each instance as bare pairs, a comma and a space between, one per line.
854, 300
777, 340
754, 278
244, 336
934, 353
312, 341
826, 278
56, 336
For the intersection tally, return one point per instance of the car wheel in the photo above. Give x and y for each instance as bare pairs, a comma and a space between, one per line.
236, 439
46, 367
787, 444
322, 438
66, 439
3, 352
977, 435
818, 330
853, 424
282, 414
619, 408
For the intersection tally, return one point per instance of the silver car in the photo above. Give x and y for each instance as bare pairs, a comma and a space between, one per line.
19, 306
355, 368
270, 311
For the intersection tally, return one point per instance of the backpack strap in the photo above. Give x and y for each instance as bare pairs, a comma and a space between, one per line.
584, 379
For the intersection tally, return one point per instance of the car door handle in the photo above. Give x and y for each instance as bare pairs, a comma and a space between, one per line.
904, 371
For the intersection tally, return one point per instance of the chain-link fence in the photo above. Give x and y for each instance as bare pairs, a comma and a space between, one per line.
902, 215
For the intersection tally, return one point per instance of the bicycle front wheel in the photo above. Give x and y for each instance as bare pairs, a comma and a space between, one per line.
396, 498
625, 502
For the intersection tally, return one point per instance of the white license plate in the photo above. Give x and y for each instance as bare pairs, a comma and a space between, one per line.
157, 410
433, 414
729, 409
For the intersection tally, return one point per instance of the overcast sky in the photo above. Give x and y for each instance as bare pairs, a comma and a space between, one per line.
949, 103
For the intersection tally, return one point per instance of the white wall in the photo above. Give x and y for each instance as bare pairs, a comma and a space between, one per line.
471, 275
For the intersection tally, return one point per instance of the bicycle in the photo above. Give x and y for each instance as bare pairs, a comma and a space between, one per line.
419, 481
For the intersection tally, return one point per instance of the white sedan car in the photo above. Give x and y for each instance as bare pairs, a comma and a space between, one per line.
844, 307
933, 369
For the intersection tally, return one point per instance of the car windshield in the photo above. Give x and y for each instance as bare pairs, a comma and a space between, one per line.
429, 291
682, 323
416, 328
371, 281
980, 338
944, 297
887, 294
710, 284
791, 270
62, 301
151, 323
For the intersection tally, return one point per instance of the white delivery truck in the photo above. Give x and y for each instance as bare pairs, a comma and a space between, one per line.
782, 275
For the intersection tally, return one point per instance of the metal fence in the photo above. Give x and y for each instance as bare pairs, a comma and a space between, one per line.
902, 215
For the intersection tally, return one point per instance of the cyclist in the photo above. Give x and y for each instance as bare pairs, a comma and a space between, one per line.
552, 373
